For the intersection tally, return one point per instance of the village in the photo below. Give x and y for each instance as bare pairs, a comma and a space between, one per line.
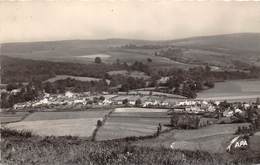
175, 104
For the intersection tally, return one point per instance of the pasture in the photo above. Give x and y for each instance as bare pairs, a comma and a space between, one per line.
80, 123
93, 56
134, 74
9, 117
237, 90
20, 148
213, 138
63, 77
124, 122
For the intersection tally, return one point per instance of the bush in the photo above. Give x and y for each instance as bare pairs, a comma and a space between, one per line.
99, 123
7, 133
185, 121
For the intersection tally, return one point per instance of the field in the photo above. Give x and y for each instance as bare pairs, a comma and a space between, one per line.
63, 77
213, 138
7, 117
134, 74
80, 123
237, 90
220, 50
23, 148
124, 122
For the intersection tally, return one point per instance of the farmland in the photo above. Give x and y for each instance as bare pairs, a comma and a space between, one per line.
238, 90
213, 138
21, 148
134, 74
124, 122
80, 123
12, 117
62, 77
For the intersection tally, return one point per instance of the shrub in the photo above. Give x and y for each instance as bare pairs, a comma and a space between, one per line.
7, 133
99, 123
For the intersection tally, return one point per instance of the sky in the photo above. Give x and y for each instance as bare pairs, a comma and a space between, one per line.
39, 20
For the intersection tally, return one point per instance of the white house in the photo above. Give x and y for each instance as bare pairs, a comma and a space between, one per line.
228, 113
107, 102
69, 94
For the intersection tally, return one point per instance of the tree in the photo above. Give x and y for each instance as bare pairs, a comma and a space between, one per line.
209, 84
98, 60
125, 101
207, 68
138, 102
258, 101
149, 60
117, 61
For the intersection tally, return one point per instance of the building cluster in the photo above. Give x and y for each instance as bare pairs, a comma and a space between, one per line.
201, 106
87, 99
181, 105
67, 99
196, 106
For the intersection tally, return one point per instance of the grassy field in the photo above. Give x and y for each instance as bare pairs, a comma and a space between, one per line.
134, 74
238, 90
213, 138
63, 77
124, 122
80, 123
136, 110
23, 148
9, 117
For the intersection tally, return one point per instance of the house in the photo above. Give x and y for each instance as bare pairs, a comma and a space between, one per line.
163, 80
19, 106
69, 94
15, 91
238, 111
148, 103
228, 113
107, 102
193, 109
211, 108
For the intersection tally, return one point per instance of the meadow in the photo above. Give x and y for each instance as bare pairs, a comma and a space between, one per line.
24, 148
63, 77
125, 122
236, 90
81, 123
134, 74
9, 117
213, 138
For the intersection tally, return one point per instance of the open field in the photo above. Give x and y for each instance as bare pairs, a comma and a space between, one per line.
148, 110
93, 56
134, 74
80, 124
20, 148
121, 127
238, 90
7, 117
213, 138
61, 127
216, 50
124, 122
63, 77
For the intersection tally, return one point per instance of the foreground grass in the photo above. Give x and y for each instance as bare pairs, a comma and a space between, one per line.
24, 148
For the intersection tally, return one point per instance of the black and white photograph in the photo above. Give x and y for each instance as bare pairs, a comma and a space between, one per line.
129, 82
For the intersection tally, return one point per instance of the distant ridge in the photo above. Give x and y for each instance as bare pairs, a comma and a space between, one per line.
144, 40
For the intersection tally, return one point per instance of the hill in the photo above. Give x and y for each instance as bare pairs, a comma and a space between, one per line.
245, 42
226, 51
